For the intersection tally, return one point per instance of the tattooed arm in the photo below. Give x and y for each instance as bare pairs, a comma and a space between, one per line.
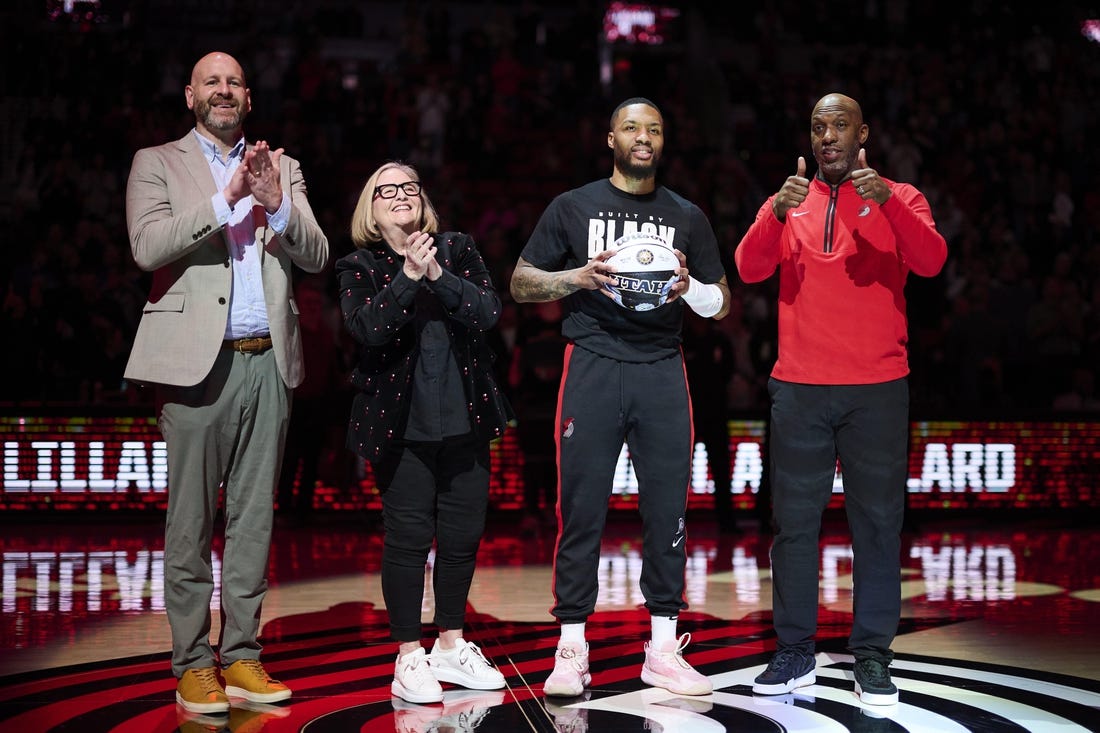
532, 285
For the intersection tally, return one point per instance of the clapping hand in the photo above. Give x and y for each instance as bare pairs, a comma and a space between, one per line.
420, 259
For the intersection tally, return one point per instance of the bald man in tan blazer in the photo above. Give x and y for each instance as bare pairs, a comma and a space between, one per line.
220, 223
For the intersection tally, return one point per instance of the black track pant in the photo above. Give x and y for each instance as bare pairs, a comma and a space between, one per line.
602, 403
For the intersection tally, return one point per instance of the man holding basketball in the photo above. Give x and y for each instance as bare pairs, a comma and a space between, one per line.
623, 380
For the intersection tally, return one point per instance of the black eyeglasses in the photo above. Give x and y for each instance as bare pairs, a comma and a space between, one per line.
389, 190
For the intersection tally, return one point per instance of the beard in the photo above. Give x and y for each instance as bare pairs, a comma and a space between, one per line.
634, 168
204, 110
838, 169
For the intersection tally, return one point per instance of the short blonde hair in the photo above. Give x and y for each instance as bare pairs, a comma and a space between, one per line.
364, 229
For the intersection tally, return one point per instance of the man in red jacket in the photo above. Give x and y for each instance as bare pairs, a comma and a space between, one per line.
844, 243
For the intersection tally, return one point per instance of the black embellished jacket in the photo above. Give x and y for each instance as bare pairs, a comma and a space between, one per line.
377, 300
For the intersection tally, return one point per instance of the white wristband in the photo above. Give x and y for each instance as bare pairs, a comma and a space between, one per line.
706, 300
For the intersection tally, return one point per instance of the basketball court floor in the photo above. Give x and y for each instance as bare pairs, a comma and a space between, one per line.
1000, 632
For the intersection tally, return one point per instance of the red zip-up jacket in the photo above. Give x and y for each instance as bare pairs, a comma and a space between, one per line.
842, 265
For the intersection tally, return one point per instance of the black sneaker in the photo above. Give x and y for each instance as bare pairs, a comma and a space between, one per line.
873, 683
788, 669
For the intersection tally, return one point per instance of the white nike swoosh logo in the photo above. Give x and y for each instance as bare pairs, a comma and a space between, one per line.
677, 541
799, 213
865, 211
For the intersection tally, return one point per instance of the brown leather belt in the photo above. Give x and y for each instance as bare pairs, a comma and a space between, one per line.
254, 345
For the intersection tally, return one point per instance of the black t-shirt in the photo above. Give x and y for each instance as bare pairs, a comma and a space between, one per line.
580, 223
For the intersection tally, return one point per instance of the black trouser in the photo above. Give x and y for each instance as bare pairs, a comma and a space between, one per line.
867, 428
604, 402
431, 491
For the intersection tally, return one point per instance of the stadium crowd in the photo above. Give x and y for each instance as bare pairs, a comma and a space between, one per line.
990, 110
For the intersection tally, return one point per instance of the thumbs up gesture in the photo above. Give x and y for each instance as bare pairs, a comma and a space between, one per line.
867, 183
793, 192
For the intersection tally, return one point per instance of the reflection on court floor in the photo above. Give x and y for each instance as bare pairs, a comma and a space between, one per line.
998, 634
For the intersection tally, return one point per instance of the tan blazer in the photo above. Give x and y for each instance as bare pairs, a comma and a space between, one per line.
174, 235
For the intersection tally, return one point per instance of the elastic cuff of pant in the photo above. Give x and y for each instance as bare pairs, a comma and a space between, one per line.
664, 612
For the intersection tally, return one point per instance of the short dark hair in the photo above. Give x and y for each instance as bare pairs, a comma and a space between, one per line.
627, 103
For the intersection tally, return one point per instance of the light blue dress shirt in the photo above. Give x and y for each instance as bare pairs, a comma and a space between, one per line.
247, 309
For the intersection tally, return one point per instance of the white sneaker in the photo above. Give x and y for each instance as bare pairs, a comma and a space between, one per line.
464, 665
570, 675
667, 668
413, 679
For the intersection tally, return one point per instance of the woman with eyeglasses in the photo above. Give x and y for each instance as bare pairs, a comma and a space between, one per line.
419, 302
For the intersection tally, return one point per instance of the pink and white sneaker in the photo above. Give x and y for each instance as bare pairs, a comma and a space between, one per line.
667, 668
570, 675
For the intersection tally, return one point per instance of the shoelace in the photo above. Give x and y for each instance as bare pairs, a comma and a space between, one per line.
784, 659
416, 671
874, 671
464, 658
570, 655
677, 653
256, 669
208, 679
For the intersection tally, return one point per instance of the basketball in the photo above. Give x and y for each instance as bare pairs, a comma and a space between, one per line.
645, 267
